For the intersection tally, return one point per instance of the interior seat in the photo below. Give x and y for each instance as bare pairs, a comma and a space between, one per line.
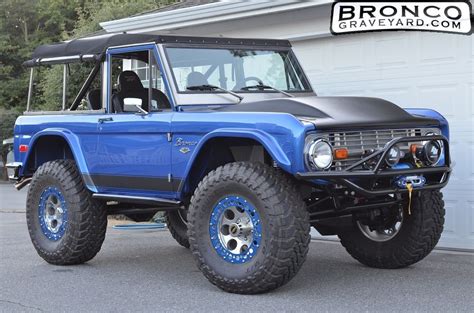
130, 86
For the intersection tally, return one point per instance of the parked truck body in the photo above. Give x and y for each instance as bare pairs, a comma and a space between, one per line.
227, 137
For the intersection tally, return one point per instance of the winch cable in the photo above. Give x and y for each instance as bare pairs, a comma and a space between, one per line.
410, 190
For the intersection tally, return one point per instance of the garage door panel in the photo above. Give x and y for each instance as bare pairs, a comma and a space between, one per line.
401, 95
347, 91
389, 76
439, 97
343, 63
461, 177
472, 48
450, 225
386, 52
471, 220
430, 52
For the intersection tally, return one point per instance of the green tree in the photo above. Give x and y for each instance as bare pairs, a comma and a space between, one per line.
25, 24
89, 18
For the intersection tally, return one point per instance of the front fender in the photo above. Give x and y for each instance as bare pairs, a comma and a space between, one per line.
71, 139
432, 114
266, 140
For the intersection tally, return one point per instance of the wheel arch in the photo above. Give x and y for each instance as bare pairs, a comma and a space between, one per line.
430, 113
221, 143
59, 144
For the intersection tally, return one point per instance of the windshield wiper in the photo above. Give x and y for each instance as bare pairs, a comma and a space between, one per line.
212, 87
262, 87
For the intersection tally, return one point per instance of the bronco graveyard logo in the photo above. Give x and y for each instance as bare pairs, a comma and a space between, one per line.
353, 17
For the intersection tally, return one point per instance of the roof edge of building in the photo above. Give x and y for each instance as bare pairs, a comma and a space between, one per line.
203, 14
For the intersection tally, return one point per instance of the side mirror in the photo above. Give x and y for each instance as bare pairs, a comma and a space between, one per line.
132, 105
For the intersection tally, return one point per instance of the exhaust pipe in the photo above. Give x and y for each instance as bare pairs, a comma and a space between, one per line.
22, 183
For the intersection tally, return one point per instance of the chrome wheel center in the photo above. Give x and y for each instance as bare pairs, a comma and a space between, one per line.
235, 230
53, 214
385, 234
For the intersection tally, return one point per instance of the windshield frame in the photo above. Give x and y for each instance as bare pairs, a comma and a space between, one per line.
304, 79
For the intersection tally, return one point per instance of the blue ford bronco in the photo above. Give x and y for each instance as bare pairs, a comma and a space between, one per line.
227, 137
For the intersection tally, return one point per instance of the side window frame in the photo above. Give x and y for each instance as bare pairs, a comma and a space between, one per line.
152, 52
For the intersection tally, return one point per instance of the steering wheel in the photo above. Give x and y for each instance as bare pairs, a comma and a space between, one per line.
250, 78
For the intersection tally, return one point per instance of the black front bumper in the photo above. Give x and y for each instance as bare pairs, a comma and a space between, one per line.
351, 178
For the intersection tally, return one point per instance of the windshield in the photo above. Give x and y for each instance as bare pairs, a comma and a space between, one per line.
238, 70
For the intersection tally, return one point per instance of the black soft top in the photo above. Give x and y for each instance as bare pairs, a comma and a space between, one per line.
93, 47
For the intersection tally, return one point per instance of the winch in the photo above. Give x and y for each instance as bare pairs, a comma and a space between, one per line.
415, 181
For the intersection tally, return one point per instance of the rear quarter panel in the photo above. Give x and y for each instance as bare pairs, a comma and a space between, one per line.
80, 131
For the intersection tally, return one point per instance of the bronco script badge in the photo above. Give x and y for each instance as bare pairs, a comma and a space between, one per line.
180, 142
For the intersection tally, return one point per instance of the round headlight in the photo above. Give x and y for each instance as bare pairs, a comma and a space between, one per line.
320, 154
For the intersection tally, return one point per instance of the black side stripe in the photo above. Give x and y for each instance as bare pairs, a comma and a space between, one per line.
129, 182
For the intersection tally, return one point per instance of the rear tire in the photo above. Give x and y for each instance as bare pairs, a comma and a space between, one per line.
248, 228
176, 222
416, 238
65, 224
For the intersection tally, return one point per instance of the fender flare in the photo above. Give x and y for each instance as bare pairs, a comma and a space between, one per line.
71, 139
430, 113
265, 139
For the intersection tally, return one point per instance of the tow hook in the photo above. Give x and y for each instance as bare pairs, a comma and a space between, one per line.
415, 181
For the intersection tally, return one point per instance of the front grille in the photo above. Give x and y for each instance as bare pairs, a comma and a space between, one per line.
362, 143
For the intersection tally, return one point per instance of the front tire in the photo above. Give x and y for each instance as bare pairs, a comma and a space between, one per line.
65, 224
418, 235
248, 228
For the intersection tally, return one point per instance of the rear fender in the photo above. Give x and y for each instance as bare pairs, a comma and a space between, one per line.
71, 139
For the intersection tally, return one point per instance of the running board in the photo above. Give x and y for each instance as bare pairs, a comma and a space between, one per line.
137, 200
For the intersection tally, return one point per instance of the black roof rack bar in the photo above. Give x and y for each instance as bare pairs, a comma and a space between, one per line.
222, 41
61, 60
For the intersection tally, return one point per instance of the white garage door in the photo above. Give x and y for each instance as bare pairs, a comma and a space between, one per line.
411, 69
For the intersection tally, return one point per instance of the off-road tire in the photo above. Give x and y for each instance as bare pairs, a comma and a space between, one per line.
87, 219
284, 220
177, 227
417, 236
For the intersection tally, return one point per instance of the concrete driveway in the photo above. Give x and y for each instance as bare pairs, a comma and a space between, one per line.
147, 271
12, 200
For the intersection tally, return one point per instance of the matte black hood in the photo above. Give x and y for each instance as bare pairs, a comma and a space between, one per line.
339, 112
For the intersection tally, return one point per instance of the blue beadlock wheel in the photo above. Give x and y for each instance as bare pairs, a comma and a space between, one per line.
235, 229
52, 213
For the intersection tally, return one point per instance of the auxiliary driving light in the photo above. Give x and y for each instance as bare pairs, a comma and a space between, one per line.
429, 152
393, 156
432, 152
320, 154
